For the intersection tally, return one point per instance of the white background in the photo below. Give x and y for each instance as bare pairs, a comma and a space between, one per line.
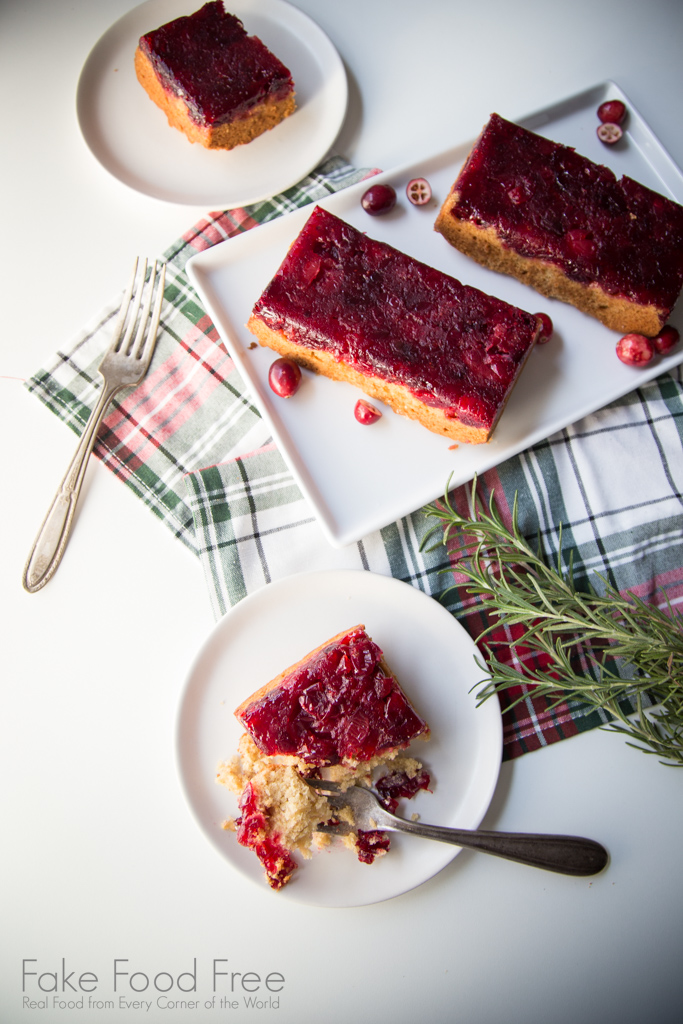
99, 858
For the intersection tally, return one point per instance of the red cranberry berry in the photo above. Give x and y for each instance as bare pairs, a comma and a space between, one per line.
284, 377
613, 112
666, 339
635, 349
378, 199
609, 133
366, 413
546, 328
419, 191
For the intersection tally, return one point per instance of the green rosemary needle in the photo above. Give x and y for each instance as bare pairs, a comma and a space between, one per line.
606, 650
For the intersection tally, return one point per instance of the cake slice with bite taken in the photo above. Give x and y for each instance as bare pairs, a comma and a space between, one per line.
339, 710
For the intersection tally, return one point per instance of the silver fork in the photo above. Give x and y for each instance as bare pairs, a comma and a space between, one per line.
568, 855
123, 365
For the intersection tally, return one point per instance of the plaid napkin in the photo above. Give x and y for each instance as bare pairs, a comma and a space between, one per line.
191, 445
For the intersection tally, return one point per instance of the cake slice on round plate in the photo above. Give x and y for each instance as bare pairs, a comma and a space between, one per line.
339, 710
218, 85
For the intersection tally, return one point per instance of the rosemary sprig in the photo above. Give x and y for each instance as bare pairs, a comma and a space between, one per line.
610, 652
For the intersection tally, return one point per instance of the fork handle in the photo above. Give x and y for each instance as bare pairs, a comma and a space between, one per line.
53, 535
568, 855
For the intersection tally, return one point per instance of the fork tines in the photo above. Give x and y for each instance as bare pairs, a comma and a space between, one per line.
130, 315
323, 786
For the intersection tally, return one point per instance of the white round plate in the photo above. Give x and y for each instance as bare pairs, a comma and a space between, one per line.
433, 658
132, 139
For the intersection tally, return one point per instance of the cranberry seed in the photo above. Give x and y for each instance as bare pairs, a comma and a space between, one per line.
284, 377
419, 191
613, 111
378, 199
666, 339
609, 133
635, 349
366, 413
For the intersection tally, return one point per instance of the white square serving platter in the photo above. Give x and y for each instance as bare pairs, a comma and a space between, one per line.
361, 478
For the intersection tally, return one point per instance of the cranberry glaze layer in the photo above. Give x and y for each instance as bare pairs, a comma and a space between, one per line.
252, 832
219, 71
388, 315
338, 705
547, 202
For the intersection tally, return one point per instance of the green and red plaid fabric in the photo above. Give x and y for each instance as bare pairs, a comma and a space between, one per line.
191, 445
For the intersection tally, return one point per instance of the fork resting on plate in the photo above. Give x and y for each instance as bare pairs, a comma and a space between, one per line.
568, 855
123, 365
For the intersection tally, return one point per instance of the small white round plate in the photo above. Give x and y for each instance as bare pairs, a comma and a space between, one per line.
434, 660
132, 139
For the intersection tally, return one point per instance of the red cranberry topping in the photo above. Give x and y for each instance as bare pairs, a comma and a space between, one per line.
635, 349
575, 214
380, 311
284, 377
338, 705
419, 191
252, 832
220, 72
609, 133
366, 413
473, 411
395, 785
666, 339
546, 328
612, 111
370, 844
378, 199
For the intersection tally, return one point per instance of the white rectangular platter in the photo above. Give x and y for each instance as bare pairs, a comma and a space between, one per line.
362, 478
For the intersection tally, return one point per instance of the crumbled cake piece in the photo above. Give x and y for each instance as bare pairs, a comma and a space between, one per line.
280, 814
338, 712
358, 310
219, 86
529, 207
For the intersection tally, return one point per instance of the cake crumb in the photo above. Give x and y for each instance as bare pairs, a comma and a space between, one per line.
292, 808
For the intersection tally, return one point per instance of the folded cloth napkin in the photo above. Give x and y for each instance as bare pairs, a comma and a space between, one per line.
189, 442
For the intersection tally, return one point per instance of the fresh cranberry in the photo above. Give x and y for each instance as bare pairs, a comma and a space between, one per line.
284, 377
366, 413
378, 199
613, 112
419, 191
666, 339
546, 328
609, 133
635, 349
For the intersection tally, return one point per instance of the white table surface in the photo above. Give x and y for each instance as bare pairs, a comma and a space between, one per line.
99, 858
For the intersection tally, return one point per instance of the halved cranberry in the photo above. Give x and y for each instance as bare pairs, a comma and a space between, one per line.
284, 377
546, 328
666, 339
378, 199
613, 111
635, 349
609, 133
366, 413
419, 191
